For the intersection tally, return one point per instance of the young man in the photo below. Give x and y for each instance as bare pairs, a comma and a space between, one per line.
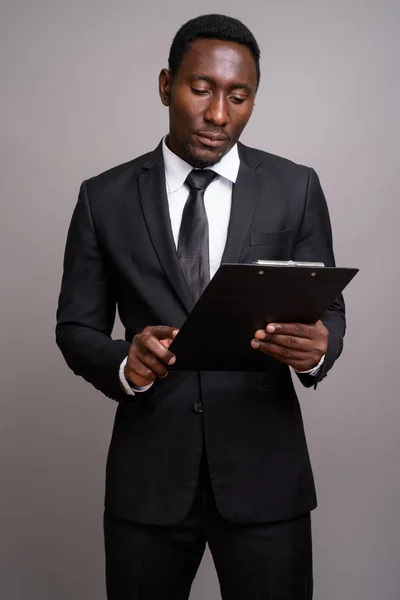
199, 457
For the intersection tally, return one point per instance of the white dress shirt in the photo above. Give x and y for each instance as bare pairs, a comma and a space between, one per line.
217, 198
217, 202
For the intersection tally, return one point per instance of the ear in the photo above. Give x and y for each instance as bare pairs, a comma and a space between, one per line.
164, 86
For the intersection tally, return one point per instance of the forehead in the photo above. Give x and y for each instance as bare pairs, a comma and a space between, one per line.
220, 60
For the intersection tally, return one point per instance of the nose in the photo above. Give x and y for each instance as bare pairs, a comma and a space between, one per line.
217, 111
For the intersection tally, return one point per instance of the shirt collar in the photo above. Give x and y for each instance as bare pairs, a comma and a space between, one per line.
176, 169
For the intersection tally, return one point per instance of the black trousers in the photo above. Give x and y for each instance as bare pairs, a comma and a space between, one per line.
253, 562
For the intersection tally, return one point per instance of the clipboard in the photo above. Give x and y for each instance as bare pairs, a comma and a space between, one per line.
242, 298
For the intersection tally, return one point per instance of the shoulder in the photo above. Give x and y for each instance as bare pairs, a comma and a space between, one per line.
273, 164
118, 177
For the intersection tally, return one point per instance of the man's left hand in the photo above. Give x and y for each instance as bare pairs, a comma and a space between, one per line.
299, 346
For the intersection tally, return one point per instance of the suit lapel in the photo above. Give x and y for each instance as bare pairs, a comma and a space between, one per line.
245, 195
154, 202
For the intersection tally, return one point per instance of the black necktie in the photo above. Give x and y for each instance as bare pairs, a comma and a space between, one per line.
193, 248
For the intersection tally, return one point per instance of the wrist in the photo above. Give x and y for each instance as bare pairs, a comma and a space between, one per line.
136, 385
126, 375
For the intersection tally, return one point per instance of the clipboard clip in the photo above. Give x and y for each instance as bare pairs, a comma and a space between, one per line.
287, 263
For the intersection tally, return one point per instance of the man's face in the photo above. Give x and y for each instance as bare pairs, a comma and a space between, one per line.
210, 100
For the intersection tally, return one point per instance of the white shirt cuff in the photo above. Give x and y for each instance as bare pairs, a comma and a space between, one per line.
130, 388
315, 370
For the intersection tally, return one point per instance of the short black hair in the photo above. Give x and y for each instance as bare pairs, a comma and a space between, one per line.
216, 27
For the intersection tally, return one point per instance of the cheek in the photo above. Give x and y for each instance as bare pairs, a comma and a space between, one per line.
183, 116
240, 121
185, 105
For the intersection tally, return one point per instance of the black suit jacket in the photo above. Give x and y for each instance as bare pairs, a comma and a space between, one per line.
120, 252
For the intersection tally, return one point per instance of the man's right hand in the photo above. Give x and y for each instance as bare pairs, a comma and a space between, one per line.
149, 356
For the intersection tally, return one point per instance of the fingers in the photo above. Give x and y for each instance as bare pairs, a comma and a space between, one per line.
285, 346
299, 330
154, 341
286, 340
137, 373
151, 347
145, 368
162, 332
294, 335
298, 345
149, 355
298, 359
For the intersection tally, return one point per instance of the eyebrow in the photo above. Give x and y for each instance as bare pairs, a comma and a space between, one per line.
235, 86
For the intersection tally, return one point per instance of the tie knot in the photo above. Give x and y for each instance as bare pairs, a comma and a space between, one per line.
200, 179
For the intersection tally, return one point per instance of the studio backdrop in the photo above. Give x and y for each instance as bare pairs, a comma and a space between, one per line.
79, 95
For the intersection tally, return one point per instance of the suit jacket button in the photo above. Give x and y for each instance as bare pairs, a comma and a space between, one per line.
198, 407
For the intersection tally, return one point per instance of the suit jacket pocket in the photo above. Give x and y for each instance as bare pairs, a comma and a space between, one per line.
269, 238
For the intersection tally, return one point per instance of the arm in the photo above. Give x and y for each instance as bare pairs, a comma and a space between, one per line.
86, 314
298, 345
314, 243
86, 309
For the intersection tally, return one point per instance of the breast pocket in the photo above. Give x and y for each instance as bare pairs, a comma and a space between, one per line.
267, 245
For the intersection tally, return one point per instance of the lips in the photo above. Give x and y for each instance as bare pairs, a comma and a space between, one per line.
212, 140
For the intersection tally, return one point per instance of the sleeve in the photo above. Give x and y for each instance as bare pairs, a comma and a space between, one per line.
314, 243
86, 309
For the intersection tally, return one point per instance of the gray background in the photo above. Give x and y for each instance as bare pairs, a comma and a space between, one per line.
78, 95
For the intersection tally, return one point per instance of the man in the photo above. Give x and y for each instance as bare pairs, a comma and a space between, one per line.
196, 457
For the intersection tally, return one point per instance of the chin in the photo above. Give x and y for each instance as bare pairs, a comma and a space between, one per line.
201, 160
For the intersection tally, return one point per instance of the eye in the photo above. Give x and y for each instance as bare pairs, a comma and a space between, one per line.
237, 99
199, 92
